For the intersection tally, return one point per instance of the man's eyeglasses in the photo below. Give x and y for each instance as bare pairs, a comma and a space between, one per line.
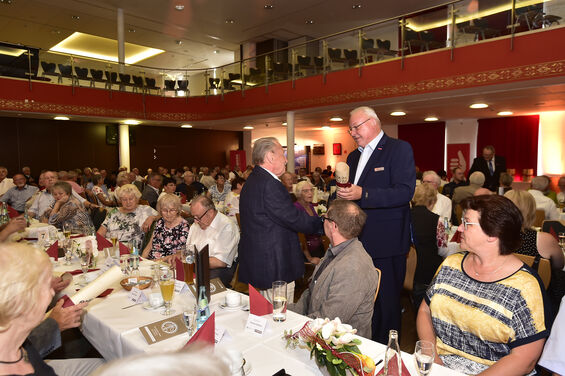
356, 127
465, 223
326, 218
199, 219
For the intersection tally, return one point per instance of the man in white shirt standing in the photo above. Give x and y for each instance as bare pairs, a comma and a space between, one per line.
219, 232
5, 182
539, 185
443, 204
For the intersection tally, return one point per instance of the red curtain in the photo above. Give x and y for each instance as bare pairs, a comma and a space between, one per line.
428, 142
515, 138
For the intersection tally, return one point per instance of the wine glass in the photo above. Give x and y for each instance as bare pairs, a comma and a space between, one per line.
167, 285
85, 258
424, 354
67, 230
114, 238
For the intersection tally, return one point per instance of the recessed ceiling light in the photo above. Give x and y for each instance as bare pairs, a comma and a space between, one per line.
269, 6
55, 31
131, 30
505, 113
75, 17
336, 118
179, 7
131, 122
478, 105
326, 127
356, 6
285, 123
213, 37
178, 42
229, 21
61, 118
216, 51
309, 22
186, 126
431, 118
248, 127
398, 113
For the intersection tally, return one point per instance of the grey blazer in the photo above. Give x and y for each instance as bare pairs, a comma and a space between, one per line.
345, 289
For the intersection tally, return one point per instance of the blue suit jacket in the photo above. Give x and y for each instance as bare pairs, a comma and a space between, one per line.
388, 183
269, 249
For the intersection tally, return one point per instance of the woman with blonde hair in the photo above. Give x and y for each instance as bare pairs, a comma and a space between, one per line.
304, 195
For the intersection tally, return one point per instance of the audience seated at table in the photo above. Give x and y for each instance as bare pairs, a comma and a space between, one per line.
232, 199
476, 181
68, 211
101, 196
190, 187
287, 180
130, 221
219, 232
442, 206
485, 309
152, 189
169, 187
428, 235
219, 191
18, 195
303, 175
539, 186
315, 249
5, 182
318, 182
207, 179
171, 230
505, 182
345, 281
458, 180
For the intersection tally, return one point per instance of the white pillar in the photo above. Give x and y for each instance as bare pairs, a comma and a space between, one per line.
124, 146
551, 143
121, 42
290, 141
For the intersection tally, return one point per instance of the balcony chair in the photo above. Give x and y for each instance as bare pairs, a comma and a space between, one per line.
111, 79
67, 72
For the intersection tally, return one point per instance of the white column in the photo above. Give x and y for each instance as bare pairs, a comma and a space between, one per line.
121, 42
124, 146
290, 141
551, 143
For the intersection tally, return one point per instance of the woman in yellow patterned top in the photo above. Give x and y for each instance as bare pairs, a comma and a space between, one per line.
485, 310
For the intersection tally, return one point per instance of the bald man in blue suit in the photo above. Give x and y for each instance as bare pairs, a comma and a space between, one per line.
383, 177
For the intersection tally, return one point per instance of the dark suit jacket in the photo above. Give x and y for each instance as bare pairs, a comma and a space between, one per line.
388, 183
269, 249
150, 196
491, 181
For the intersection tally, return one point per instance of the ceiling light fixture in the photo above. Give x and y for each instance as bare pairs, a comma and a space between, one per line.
356, 6
269, 6
131, 30
61, 118
229, 21
75, 17
186, 126
309, 22
178, 42
398, 113
336, 118
478, 105
431, 118
179, 7
505, 113
326, 127
216, 51
131, 122
285, 123
215, 38
248, 127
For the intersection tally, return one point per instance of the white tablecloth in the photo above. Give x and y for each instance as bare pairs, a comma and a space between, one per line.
113, 331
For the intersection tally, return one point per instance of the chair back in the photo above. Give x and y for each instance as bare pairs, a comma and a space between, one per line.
182, 84
234, 76
378, 284
334, 53
125, 78
236, 285
96, 74
540, 217
318, 61
303, 60
367, 43
553, 228
81, 72
384, 44
48, 67
150, 82
350, 54
66, 70
411, 262
137, 81
543, 267
170, 85
458, 212
97, 215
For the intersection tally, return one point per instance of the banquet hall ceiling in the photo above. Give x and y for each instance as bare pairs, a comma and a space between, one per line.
201, 26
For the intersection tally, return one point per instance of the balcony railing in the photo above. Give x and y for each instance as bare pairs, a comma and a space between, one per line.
451, 25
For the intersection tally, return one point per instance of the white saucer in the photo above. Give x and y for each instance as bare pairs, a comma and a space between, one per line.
234, 308
149, 307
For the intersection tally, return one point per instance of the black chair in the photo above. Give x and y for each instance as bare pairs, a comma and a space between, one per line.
304, 63
254, 76
351, 56
49, 70
281, 73
150, 85
412, 40
227, 84
335, 55
125, 80
431, 43
137, 83
234, 77
67, 72
82, 73
367, 43
182, 85
97, 76
111, 78
214, 82
318, 63
170, 85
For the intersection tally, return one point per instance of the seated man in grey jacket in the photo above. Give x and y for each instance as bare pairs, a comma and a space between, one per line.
345, 281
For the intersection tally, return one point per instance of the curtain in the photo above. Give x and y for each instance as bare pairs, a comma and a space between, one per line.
428, 143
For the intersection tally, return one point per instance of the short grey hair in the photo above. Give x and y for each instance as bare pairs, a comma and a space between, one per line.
477, 178
434, 175
169, 200
540, 183
348, 217
261, 147
300, 187
205, 201
367, 111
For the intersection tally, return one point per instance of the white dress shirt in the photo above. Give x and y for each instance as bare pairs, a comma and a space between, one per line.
222, 237
366, 153
442, 206
546, 204
5, 185
552, 356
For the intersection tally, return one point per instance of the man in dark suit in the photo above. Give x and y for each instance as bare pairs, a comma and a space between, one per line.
269, 249
383, 178
152, 189
491, 166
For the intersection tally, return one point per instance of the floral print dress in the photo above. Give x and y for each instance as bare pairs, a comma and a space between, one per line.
166, 241
127, 226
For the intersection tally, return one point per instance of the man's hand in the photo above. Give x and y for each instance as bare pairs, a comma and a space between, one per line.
59, 283
16, 224
353, 193
69, 317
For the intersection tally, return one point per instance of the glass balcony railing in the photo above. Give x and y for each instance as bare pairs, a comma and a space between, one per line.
447, 26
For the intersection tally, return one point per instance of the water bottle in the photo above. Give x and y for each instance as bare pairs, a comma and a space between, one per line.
446, 224
203, 310
392, 350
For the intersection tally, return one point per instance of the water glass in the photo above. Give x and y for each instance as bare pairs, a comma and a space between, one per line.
279, 300
424, 354
124, 264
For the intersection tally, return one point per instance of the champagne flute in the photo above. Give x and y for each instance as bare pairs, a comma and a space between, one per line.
424, 354
67, 230
85, 258
114, 239
167, 285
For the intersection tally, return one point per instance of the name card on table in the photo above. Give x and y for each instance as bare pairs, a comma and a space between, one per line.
109, 263
164, 329
256, 324
136, 295
180, 287
216, 287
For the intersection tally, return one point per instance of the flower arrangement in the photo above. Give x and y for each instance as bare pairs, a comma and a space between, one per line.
333, 345
321, 209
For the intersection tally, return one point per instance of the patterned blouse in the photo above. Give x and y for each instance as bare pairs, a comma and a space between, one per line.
478, 323
127, 226
529, 243
73, 214
218, 196
97, 190
168, 240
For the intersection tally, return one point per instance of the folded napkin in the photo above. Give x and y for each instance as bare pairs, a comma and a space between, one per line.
456, 237
206, 333
53, 250
180, 270
102, 242
393, 368
124, 250
258, 305
12, 213
79, 271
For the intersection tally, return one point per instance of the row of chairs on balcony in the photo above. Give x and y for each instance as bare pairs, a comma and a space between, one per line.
109, 78
177, 86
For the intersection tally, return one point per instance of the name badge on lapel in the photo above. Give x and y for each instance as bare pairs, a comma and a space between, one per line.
379, 169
